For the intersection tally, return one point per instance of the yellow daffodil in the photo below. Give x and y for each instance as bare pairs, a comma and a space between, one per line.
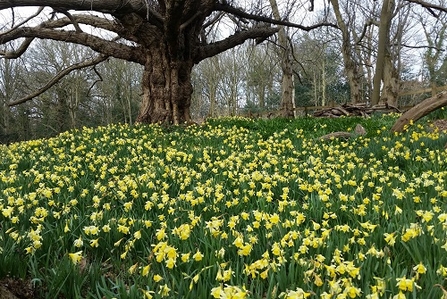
198, 256
75, 257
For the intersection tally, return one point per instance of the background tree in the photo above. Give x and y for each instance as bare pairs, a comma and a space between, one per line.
434, 57
285, 55
207, 82
346, 17
262, 77
383, 47
11, 84
117, 92
58, 107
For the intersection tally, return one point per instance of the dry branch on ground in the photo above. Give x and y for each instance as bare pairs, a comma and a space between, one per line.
359, 130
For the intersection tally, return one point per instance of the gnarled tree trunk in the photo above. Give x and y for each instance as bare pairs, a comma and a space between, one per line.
167, 89
390, 91
383, 47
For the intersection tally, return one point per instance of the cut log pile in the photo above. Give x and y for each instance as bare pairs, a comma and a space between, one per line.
361, 109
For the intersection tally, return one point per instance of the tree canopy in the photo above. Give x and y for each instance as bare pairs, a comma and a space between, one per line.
167, 37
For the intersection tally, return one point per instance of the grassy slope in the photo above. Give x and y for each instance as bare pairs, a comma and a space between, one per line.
264, 200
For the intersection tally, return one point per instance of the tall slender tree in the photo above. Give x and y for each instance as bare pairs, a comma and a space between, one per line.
352, 65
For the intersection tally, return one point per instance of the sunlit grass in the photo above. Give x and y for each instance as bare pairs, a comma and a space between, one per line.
236, 208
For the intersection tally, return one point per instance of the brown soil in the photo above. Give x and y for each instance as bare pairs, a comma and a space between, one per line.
12, 288
441, 124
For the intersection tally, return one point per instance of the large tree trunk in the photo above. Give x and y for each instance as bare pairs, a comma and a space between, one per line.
167, 89
383, 47
287, 86
351, 66
390, 92
285, 53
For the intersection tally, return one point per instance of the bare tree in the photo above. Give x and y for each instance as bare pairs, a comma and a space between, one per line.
260, 75
383, 48
117, 89
208, 79
435, 102
56, 110
434, 56
10, 86
231, 89
285, 54
352, 65
167, 37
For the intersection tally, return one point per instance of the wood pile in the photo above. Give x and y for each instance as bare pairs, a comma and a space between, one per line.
360, 109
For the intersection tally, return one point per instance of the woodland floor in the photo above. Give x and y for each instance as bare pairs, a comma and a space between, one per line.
12, 288
441, 124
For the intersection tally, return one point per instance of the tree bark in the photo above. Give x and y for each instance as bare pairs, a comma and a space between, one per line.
390, 92
285, 53
166, 87
383, 46
351, 67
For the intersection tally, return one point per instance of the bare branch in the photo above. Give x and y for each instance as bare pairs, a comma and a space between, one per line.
25, 21
16, 54
365, 27
213, 20
420, 47
311, 6
71, 18
428, 6
108, 48
189, 21
96, 81
232, 41
243, 14
91, 20
58, 77
109, 6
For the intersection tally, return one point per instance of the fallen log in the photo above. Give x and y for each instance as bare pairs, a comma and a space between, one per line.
359, 130
420, 110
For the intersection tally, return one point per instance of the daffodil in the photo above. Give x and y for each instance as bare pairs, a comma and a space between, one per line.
198, 256
405, 284
78, 242
164, 290
420, 268
145, 270
400, 295
75, 257
297, 294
